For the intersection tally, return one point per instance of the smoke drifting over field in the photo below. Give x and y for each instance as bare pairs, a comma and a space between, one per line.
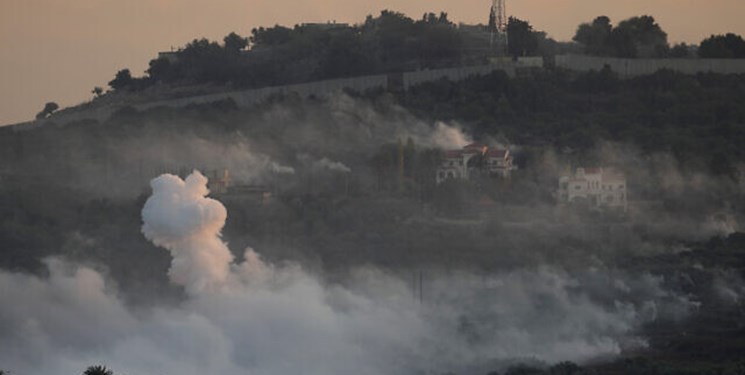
259, 318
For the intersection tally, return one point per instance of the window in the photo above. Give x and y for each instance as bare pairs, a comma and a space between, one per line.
620, 186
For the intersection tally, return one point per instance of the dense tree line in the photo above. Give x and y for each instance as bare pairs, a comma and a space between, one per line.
699, 119
390, 42
393, 42
634, 37
643, 37
723, 46
277, 55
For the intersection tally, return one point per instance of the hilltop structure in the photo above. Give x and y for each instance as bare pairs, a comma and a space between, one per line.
475, 160
596, 187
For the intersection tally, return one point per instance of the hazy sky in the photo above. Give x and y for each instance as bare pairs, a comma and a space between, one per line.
58, 50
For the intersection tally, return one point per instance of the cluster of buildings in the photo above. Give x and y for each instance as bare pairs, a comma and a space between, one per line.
596, 188
475, 160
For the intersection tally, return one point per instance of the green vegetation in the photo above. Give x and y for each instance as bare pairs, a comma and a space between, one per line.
49, 108
723, 47
699, 119
390, 42
393, 42
98, 370
634, 37
522, 40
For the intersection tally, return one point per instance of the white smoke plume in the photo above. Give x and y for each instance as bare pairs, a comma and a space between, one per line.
326, 163
448, 137
261, 319
279, 168
179, 217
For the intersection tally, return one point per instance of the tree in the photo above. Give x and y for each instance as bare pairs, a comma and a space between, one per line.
523, 370
122, 79
639, 37
634, 37
595, 36
680, 51
522, 41
49, 108
393, 31
97, 91
98, 370
722, 47
269, 37
235, 43
161, 70
439, 40
565, 368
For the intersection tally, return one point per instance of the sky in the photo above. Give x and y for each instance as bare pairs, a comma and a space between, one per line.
59, 50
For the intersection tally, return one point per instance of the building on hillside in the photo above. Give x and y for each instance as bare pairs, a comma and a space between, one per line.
595, 187
257, 194
330, 25
475, 160
171, 56
219, 183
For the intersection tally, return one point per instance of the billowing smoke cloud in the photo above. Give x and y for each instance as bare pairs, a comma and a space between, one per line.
283, 320
258, 318
179, 217
448, 137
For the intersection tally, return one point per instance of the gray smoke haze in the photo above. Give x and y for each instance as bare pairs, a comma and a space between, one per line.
259, 318
563, 301
259, 148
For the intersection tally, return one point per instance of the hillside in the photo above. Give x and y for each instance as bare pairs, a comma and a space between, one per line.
335, 197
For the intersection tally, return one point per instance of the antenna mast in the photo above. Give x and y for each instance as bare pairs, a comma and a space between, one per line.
501, 15
498, 18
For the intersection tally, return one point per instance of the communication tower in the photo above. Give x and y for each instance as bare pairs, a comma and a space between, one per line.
498, 19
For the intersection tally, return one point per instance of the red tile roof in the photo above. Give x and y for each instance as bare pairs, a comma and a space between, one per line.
475, 145
497, 153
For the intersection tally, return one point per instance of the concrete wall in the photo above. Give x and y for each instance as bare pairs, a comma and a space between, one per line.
247, 98
636, 67
452, 74
461, 73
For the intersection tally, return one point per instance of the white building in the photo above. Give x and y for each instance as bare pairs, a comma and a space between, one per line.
596, 187
475, 160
